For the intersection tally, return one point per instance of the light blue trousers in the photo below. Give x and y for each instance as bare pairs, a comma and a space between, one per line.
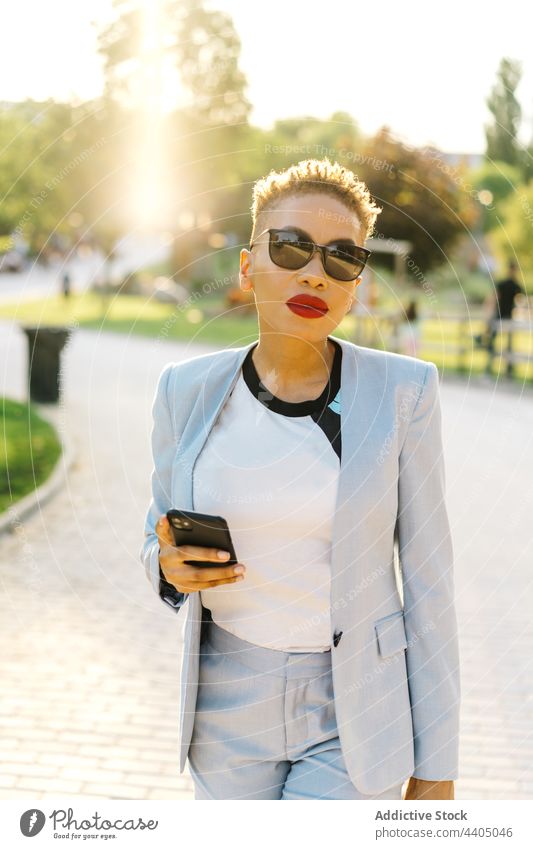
265, 725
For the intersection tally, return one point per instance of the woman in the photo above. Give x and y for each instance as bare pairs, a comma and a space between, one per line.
319, 671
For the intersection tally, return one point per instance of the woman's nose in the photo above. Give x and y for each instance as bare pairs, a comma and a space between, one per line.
313, 273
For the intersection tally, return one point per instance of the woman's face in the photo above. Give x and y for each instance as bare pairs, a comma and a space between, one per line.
324, 219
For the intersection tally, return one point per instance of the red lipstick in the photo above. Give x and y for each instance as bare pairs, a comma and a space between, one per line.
307, 306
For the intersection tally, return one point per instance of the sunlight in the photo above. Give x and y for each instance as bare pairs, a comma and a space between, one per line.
150, 200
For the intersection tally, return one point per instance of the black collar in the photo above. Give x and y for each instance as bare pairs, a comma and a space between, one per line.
289, 408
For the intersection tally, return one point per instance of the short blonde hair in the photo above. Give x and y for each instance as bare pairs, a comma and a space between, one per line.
312, 176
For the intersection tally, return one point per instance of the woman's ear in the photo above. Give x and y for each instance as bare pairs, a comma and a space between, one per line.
245, 263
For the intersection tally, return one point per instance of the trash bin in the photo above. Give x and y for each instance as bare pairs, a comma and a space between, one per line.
45, 345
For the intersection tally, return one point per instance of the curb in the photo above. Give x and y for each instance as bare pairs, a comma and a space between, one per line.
30, 503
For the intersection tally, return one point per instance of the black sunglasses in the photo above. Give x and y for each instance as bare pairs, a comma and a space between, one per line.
293, 249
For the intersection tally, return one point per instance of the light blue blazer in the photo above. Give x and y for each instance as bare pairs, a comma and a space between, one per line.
395, 660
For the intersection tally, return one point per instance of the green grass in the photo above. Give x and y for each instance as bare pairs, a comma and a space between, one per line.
132, 314
205, 320
29, 450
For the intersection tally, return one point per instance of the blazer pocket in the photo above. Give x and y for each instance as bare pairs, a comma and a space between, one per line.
390, 632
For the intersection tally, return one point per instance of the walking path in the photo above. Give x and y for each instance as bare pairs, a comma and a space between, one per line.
90, 657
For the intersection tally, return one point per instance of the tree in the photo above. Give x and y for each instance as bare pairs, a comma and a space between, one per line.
38, 166
424, 199
510, 238
65, 172
501, 135
120, 44
144, 48
139, 48
207, 54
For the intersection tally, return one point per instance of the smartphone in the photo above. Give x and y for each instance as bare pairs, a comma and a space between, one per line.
192, 528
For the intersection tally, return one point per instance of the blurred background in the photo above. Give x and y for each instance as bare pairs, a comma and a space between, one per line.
131, 134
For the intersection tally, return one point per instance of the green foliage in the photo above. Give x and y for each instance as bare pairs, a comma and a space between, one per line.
33, 149
511, 238
501, 180
501, 135
29, 451
62, 169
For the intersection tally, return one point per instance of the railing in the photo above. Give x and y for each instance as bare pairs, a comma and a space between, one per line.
457, 334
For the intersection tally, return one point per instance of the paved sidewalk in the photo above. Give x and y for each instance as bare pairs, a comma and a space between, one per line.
90, 657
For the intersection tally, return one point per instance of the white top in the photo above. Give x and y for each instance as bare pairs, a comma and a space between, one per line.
273, 476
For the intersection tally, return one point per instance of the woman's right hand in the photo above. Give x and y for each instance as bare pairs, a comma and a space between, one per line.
186, 577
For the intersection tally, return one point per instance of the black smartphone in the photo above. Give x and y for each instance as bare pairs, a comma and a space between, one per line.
192, 528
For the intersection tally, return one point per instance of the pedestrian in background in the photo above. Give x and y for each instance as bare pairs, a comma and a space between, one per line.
503, 301
66, 284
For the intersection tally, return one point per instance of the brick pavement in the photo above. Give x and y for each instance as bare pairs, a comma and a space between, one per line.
90, 657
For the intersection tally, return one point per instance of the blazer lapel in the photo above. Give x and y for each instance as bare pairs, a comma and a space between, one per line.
216, 388
365, 490
351, 415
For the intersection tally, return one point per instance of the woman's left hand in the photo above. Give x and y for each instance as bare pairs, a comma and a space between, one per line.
417, 788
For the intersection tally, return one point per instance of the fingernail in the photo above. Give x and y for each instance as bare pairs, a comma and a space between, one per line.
223, 555
239, 570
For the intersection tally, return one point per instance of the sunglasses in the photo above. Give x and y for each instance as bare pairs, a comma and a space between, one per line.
293, 249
